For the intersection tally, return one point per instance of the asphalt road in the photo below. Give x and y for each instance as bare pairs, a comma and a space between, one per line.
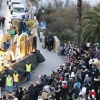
53, 61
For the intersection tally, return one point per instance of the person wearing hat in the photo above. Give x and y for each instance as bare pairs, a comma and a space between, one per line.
9, 83
28, 69
16, 80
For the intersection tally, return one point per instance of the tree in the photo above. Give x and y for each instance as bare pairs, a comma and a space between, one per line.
91, 31
79, 23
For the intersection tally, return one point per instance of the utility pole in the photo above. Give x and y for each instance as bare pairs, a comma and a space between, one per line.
79, 22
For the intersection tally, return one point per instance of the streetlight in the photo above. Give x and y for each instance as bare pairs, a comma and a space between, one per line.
43, 14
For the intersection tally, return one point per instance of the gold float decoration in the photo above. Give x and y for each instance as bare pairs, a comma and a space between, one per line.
29, 24
24, 48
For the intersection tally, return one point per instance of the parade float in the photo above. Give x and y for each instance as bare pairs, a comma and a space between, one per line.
22, 49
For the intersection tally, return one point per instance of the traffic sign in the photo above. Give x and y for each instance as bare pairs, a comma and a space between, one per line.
43, 25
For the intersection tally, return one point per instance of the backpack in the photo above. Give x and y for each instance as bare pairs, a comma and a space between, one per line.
64, 86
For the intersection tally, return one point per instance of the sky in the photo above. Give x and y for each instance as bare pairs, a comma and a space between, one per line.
92, 2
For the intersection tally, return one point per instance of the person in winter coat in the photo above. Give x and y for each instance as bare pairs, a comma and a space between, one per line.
37, 90
87, 79
64, 90
89, 87
31, 95
26, 97
75, 92
31, 86
57, 93
21, 92
79, 73
98, 95
92, 93
18, 95
78, 84
45, 95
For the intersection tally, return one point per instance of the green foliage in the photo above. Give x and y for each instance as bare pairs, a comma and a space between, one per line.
66, 35
60, 17
91, 29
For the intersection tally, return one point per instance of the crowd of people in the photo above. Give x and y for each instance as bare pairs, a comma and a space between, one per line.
2, 21
77, 78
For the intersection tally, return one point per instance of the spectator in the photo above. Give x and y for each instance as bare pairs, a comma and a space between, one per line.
45, 95
89, 88
4, 97
57, 93
21, 93
15, 97
98, 95
87, 79
75, 91
64, 90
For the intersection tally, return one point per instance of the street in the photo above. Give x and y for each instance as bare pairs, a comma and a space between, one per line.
53, 61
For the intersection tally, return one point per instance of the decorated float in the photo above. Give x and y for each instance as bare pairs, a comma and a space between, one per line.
21, 48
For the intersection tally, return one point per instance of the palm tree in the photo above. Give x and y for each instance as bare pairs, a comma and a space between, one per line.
91, 29
79, 24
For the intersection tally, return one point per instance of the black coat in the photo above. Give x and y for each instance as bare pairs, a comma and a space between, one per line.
65, 91
76, 92
87, 89
57, 92
98, 97
31, 95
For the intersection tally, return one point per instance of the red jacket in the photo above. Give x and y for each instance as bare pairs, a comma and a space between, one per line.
92, 93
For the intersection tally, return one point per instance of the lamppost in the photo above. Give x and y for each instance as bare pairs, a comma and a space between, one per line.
42, 14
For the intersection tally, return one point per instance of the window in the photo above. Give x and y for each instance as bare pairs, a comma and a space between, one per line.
18, 10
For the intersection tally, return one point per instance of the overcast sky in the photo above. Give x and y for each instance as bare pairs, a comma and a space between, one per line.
92, 2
